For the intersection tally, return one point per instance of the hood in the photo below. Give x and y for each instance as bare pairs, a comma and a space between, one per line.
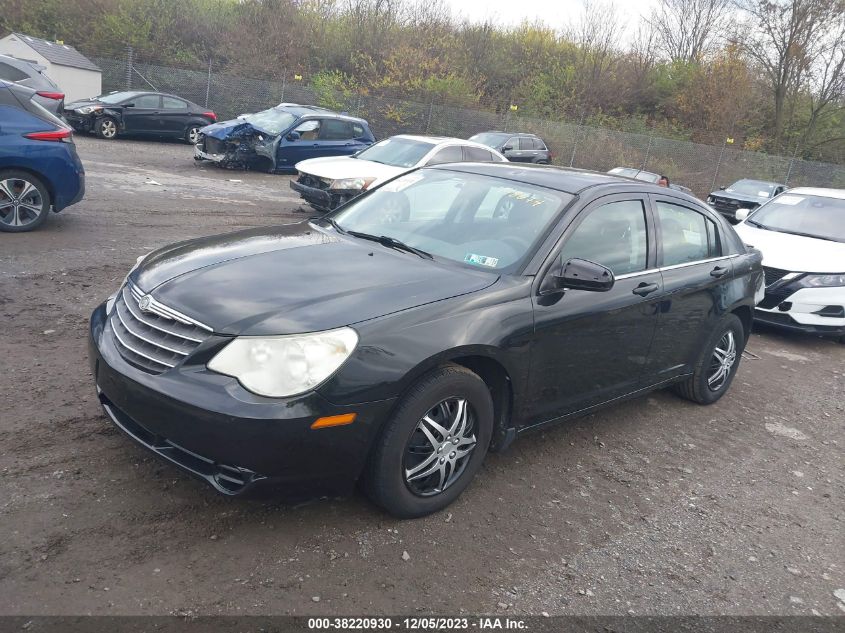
742, 197
295, 278
85, 102
335, 167
794, 252
231, 128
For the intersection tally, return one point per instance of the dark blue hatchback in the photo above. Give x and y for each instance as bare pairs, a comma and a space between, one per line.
278, 138
39, 167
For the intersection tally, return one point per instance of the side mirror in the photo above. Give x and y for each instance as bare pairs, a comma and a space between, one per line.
581, 274
721, 187
293, 136
741, 214
507, 148
128, 105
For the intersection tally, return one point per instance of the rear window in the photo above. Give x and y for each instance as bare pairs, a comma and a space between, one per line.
10, 73
477, 154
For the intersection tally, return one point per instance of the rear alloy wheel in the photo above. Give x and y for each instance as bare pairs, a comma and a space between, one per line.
717, 365
24, 202
106, 128
433, 445
192, 135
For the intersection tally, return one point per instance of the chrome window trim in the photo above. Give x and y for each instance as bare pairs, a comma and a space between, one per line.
674, 266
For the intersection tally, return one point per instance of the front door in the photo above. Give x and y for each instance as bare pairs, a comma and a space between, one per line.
141, 114
591, 347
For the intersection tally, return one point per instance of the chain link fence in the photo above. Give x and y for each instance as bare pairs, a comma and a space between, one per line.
700, 167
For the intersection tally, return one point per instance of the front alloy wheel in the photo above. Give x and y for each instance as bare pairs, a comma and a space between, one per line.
439, 448
107, 128
433, 443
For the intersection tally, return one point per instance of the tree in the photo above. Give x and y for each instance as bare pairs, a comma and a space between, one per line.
687, 30
783, 38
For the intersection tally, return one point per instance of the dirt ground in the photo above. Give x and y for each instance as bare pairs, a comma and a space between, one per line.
656, 506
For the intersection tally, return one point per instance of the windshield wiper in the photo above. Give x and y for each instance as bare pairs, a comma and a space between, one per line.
815, 237
391, 242
337, 227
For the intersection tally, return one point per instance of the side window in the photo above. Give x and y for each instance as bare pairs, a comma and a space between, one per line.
357, 130
146, 101
613, 235
334, 130
477, 154
308, 130
539, 144
10, 73
450, 154
526, 142
172, 103
512, 142
683, 233
713, 238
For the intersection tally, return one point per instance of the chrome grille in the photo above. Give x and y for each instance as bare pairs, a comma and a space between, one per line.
155, 338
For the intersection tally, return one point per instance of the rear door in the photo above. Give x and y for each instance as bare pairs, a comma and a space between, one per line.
591, 347
141, 114
695, 285
174, 116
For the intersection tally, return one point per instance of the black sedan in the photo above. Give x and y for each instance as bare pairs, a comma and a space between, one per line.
399, 338
139, 113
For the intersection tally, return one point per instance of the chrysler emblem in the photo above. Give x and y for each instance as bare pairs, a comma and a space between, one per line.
144, 302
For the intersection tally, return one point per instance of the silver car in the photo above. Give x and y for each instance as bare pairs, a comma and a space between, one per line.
47, 94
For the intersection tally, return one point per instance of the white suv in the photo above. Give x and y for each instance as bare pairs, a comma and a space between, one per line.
801, 234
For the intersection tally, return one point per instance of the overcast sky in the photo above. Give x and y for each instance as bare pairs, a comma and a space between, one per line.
555, 13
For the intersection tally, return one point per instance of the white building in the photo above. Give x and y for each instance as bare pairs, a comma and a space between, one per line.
76, 75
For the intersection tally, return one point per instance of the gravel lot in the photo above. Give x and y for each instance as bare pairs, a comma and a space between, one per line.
656, 506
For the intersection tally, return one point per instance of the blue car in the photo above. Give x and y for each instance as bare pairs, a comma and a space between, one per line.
279, 138
39, 167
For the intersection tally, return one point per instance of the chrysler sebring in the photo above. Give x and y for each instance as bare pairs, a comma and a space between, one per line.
401, 337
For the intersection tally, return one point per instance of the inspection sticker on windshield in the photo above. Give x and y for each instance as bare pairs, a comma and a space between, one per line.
790, 199
481, 260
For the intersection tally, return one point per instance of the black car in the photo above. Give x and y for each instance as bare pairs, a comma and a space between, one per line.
141, 113
517, 147
400, 337
743, 194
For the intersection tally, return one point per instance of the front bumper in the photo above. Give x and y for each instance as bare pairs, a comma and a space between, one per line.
812, 310
212, 428
199, 154
317, 198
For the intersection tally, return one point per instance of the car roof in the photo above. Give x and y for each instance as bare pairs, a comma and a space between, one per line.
821, 192
311, 110
442, 140
762, 182
509, 133
565, 179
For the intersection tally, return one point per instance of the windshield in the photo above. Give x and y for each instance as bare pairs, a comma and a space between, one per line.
479, 221
273, 121
490, 139
115, 97
752, 188
812, 216
399, 152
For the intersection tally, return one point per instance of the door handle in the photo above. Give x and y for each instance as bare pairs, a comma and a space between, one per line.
719, 271
645, 289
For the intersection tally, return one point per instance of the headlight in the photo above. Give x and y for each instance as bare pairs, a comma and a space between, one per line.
281, 366
822, 281
89, 109
351, 183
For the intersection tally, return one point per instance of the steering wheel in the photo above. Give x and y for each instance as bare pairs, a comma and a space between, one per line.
504, 207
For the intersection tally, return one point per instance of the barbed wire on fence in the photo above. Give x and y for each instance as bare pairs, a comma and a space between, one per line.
574, 143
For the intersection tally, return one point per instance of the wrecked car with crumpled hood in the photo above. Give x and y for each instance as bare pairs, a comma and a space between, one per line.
278, 138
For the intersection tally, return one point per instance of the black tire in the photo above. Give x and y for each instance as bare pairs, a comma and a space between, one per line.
191, 136
20, 218
697, 387
385, 478
106, 128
